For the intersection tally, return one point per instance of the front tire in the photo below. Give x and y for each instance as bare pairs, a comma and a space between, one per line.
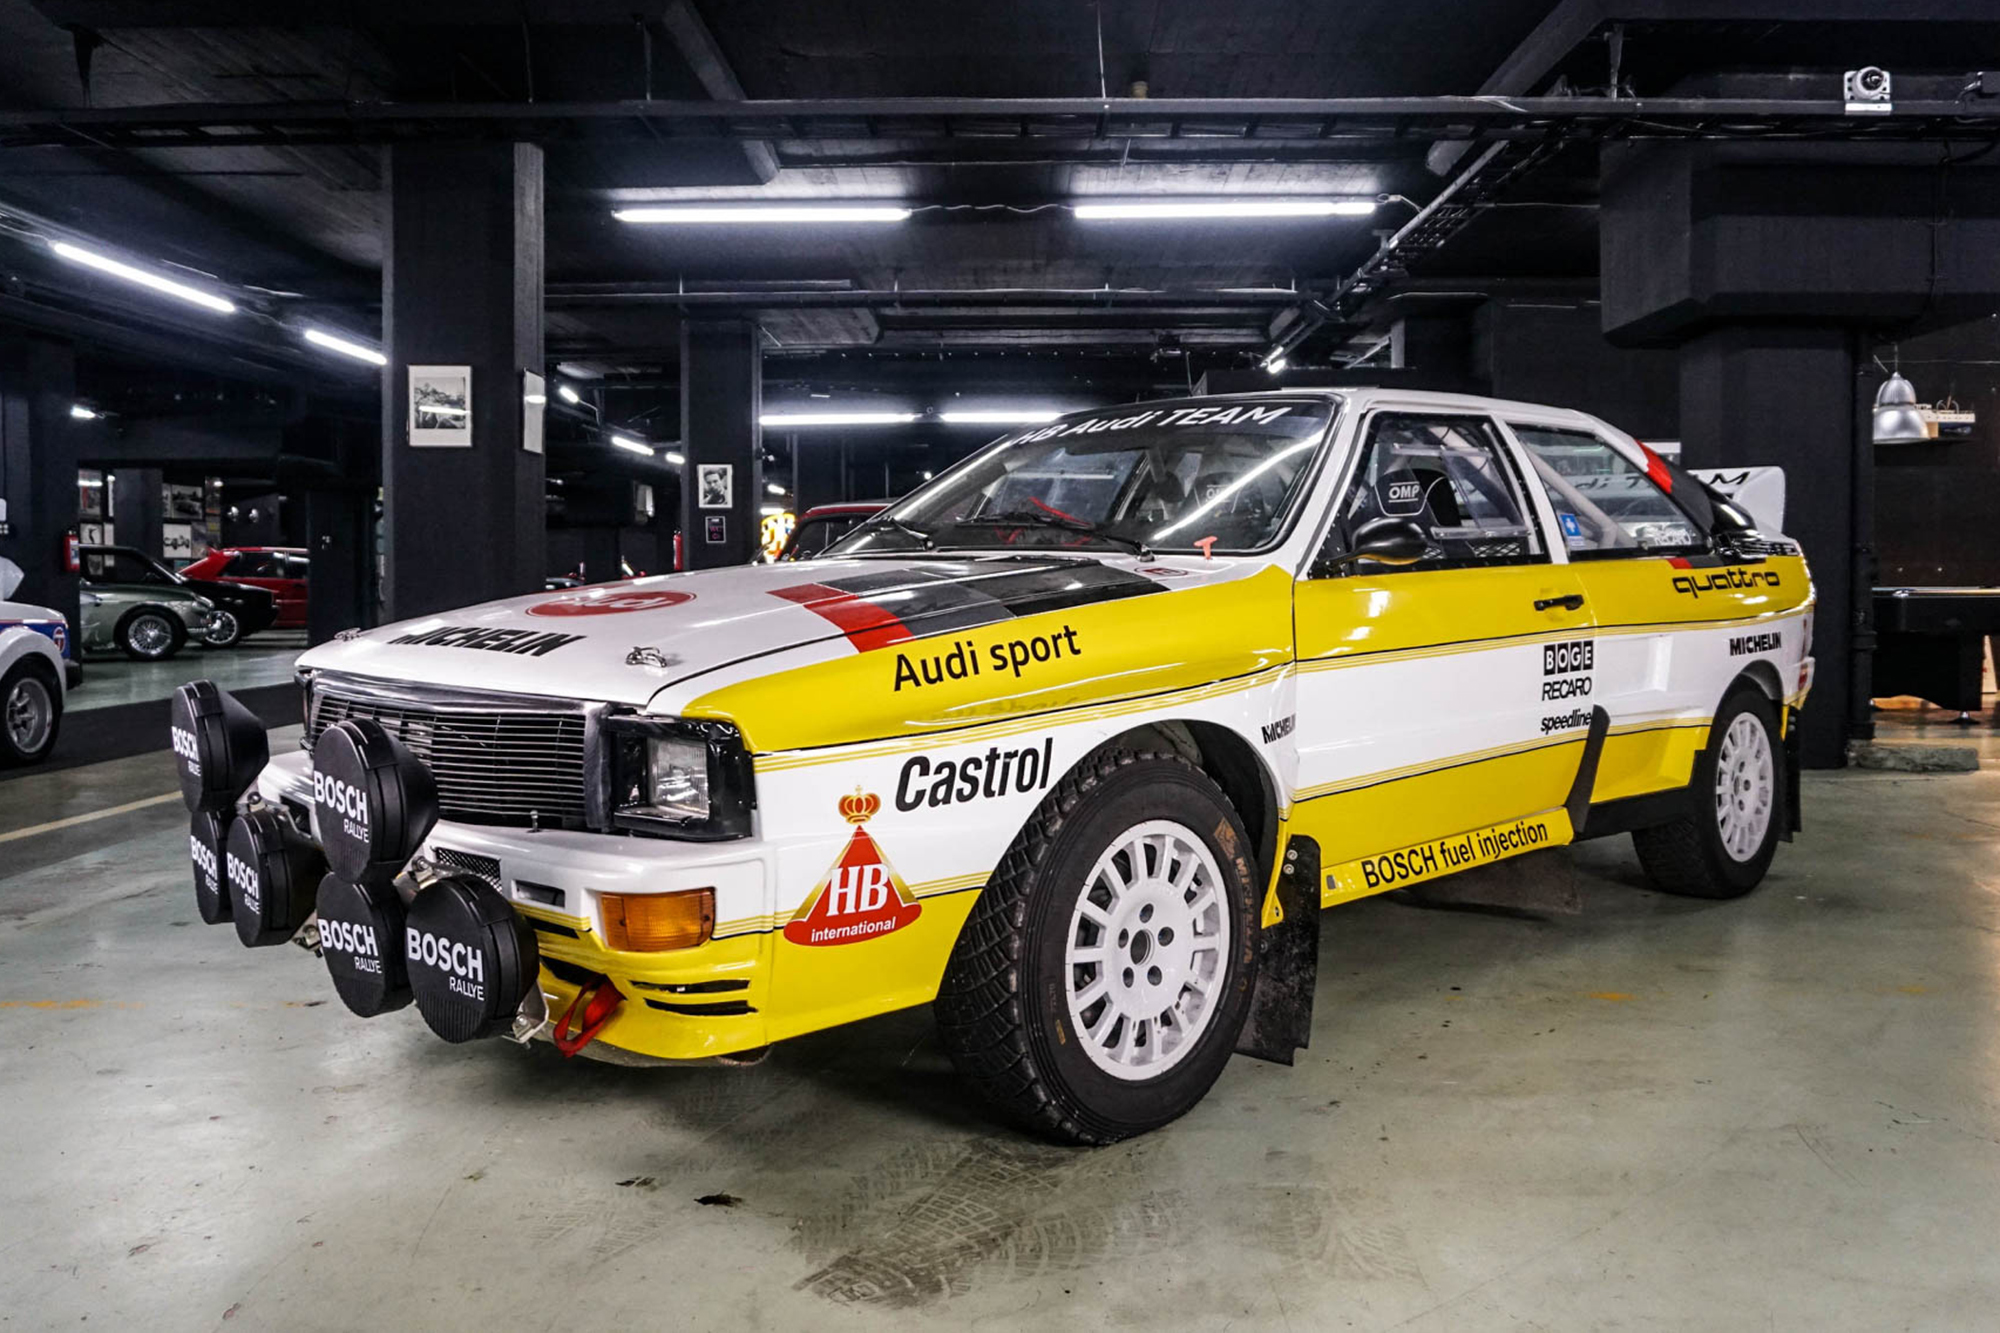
147, 635
1102, 979
30, 715
1724, 848
224, 631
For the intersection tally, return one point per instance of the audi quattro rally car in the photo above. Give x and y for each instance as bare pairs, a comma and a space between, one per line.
1070, 742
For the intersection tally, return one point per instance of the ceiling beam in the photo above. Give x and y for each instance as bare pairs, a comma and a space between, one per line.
698, 47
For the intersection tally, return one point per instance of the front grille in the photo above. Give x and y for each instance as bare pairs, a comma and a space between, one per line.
496, 761
469, 863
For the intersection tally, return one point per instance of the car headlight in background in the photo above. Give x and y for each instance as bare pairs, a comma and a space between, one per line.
679, 779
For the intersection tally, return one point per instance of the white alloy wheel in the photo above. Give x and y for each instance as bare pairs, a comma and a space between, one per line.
1746, 780
28, 712
1146, 950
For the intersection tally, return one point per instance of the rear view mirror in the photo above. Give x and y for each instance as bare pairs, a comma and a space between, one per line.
1386, 541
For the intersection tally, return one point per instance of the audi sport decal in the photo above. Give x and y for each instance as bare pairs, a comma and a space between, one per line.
1007, 659
609, 602
877, 609
862, 896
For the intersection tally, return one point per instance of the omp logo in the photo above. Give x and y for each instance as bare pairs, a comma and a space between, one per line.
1724, 580
1745, 644
1403, 492
343, 799
204, 857
465, 965
351, 938
243, 878
186, 750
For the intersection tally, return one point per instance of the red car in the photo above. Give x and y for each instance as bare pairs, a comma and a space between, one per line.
823, 525
281, 569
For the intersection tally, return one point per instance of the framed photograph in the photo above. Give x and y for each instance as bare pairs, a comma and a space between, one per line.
177, 541
534, 405
715, 485
441, 407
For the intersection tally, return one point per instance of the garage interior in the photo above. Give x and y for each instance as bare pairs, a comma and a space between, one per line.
227, 238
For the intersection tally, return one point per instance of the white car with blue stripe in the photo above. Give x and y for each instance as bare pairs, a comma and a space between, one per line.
36, 671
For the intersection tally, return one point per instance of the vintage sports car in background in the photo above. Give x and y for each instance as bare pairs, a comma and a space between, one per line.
36, 672
240, 611
1073, 741
279, 570
148, 621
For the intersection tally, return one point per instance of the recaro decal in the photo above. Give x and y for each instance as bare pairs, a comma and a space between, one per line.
606, 602
525, 642
1566, 668
925, 781
862, 897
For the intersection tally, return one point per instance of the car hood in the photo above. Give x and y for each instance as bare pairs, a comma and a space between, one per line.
149, 592
625, 642
232, 594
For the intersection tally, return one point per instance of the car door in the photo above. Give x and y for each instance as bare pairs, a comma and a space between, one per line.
292, 590
1434, 698
1671, 635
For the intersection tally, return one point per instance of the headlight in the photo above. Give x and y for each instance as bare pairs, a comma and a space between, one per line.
678, 778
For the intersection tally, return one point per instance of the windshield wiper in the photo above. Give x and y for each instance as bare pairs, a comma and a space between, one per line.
885, 519
1034, 518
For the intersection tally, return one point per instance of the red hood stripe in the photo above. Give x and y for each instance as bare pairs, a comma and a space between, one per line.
866, 625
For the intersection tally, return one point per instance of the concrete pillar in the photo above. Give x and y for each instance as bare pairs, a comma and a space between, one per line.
722, 387
38, 453
1765, 394
462, 286
138, 509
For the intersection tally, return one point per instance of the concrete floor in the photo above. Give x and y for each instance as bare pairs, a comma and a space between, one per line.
1779, 1113
263, 659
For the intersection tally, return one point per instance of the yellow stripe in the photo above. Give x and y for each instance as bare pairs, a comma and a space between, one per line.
780, 762
1573, 737
1339, 660
931, 888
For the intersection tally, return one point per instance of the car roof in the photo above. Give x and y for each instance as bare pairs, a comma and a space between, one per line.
1363, 397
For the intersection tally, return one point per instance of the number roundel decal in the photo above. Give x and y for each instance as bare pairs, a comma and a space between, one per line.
608, 602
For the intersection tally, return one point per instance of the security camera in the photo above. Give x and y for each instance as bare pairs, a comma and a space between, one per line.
1866, 87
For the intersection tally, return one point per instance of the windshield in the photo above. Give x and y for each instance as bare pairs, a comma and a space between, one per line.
1221, 476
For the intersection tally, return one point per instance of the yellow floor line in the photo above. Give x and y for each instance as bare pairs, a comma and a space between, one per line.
74, 820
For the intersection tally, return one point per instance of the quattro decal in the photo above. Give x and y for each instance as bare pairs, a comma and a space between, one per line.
1446, 856
862, 897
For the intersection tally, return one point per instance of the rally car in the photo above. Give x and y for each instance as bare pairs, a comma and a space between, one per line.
1071, 743
36, 671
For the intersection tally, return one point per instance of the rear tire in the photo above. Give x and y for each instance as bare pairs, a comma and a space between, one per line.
224, 631
30, 714
1102, 979
1724, 848
147, 635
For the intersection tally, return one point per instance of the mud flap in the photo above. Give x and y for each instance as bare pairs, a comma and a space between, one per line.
1578, 804
1794, 817
1281, 1007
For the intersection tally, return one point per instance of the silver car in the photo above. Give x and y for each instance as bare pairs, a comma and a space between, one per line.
148, 622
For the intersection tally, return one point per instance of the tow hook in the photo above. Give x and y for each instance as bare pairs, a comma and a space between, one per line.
597, 1000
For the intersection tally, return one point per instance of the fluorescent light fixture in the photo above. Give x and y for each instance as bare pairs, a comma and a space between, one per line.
769, 510
676, 459
568, 395
333, 343
836, 418
90, 483
82, 413
1000, 417
631, 445
725, 213
535, 399
76, 254
1226, 208
774, 488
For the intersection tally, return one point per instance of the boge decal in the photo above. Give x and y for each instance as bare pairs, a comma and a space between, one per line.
862, 897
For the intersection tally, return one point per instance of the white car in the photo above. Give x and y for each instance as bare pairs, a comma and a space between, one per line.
36, 672
1073, 741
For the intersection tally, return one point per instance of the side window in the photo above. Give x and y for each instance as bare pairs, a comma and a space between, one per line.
1454, 479
255, 565
1605, 504
297, 566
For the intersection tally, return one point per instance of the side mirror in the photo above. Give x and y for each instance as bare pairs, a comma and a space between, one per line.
1386, 541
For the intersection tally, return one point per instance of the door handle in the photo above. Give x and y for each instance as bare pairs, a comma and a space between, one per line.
1569, 601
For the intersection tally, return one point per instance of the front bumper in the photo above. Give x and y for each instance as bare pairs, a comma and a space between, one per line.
685, 1004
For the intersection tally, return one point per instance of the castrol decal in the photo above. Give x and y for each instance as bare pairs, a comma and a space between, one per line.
862, 897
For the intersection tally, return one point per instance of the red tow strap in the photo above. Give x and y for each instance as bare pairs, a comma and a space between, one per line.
598, 999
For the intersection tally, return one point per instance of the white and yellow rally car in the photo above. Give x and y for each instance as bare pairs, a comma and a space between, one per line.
1070, 742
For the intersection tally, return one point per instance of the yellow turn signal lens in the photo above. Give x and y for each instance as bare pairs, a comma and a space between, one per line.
656, 922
